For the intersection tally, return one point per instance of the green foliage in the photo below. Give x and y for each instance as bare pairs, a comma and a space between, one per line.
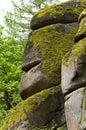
18, 21
10, 72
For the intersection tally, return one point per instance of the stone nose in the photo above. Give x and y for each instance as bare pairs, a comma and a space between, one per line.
31, 57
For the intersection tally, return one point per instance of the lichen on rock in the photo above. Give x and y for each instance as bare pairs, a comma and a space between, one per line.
61, 13
22, 112
78, 50
53, 45
55, 10
74, 79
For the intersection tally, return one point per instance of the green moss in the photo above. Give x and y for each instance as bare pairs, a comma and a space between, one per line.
82, 26
52, 128
52, 10
78, 50
44, 128
53, 45
84, 102
19, 113
60, 128
55, 10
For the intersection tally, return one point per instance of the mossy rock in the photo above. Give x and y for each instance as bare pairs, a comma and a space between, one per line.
40, 109
82, 15
53, 43
61, 13
78, 50
82, 27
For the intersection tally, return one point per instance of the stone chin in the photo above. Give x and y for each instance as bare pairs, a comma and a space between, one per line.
34, 81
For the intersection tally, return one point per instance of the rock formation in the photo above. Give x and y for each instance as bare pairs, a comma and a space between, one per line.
52, 36
74, 79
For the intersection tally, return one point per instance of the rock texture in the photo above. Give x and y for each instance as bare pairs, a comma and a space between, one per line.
42, 109
52, 36
62, 13
74, 80
44, 70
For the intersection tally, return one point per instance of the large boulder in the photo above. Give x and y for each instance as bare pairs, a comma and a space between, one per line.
49, 41
42, 57
42, 109
63, 13
74, 80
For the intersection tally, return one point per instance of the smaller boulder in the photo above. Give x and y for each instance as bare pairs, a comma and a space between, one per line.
42, 109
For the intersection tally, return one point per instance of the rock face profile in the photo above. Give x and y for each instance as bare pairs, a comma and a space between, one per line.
54, 62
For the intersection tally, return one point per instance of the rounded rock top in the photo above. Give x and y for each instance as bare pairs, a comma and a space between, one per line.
67, 12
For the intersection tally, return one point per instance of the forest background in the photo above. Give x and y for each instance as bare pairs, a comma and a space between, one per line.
13, 37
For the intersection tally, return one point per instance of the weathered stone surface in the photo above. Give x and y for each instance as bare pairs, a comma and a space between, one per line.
73, 85
74, 68
42, 57
82, 27
43, 109
74, 82
47, 20
82, 15
73, 109
74, 75
79, 36
34, 81
83, 121
64, 13
32, 57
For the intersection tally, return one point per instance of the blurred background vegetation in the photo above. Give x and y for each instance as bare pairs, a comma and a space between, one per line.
13, 37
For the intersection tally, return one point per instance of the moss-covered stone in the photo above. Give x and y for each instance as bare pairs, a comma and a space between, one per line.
52, 128
20, 112
82, 26
63, 13
82, 15
55, 10
52, 10
53, 45
60, 128
78, 50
